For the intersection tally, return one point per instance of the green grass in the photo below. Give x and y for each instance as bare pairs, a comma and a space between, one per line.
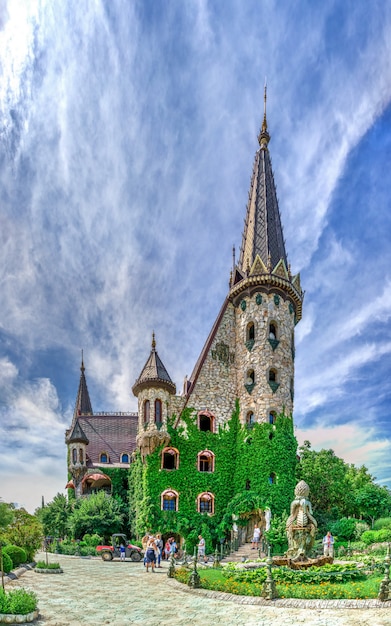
362, 589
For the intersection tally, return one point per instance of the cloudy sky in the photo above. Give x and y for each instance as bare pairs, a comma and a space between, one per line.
127, 135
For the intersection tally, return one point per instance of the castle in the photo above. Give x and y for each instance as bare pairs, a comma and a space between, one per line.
242, 384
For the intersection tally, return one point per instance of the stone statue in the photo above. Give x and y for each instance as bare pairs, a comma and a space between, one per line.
268, 517
301, 526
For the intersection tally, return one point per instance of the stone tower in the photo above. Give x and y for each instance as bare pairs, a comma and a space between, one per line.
267, 300
249, 354
154, 390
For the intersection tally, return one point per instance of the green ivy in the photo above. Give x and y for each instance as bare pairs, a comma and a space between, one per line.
238, 464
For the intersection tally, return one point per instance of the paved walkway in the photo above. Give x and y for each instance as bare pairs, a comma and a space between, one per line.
91, 592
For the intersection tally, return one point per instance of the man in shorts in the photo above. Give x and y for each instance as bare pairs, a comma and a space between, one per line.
201, 549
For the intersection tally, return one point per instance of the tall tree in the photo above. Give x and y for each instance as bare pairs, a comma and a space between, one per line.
373, 501
326, 475
100, 514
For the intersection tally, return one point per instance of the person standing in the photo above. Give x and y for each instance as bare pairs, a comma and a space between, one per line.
256, 537
122, 552
159, 546
328, 545
150, 554
201, 549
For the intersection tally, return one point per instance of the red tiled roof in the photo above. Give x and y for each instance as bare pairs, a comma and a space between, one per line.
112, 434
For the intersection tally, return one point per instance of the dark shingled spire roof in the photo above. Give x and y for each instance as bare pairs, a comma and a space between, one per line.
83, 402
77, 434
262, 233
153, 374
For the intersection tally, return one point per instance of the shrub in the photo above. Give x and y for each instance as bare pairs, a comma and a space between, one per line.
92, 540
16, 554
44, 565
376, 536
361, 527
368, 537
344, 529
382, 522
18, 601
7, 563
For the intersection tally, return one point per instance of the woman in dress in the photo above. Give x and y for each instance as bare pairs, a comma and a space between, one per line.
150, 555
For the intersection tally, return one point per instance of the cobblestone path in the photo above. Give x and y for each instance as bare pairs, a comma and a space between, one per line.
91, 592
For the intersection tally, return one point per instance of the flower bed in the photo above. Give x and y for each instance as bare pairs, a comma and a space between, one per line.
17, 606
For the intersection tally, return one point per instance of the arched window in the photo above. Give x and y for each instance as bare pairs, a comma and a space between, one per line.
272, 478
146, 411
250, 377
125, 457
206, 461
272, 417
170, 459
273, 380
103, 457
272, 376
250, 336
206, 421
169, 500
205, 503
74, 456
158, 411
273, 335
291, 389
250, 419
249, 381
81, 455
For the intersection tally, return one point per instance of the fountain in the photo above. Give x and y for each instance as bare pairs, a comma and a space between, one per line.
301, 527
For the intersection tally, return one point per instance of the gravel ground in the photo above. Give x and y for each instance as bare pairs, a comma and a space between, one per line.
91, 592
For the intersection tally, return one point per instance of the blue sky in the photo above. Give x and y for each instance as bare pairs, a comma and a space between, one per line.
128, 131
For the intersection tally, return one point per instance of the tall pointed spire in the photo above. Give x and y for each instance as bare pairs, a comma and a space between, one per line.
262, 234
83, 402
263, 260
264, 136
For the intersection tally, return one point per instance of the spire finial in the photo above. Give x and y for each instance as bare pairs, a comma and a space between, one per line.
82, 368
153, 341
264, 136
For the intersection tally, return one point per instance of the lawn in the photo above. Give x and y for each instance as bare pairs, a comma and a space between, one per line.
360, 589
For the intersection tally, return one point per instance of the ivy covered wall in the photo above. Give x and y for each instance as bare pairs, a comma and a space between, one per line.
244, 460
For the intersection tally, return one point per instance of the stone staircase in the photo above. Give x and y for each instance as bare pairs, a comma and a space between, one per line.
243, 553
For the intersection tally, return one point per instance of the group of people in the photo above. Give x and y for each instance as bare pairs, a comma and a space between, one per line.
153, 550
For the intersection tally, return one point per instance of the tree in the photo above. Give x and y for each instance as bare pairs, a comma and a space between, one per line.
373, 501
25, 531
326, 475
55, 516
100, 514
6, 515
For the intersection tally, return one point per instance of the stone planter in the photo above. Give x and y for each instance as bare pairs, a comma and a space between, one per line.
46, 570
7, 618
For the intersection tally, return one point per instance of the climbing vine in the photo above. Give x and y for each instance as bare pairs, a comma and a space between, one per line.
244, 462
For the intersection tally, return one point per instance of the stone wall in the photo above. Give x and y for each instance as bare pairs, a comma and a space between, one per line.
262, 309
215, 388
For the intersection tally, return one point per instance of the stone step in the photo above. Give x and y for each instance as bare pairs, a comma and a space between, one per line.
244, 552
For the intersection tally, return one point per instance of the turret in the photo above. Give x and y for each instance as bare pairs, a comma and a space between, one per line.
77, 443
267, 300
153, 389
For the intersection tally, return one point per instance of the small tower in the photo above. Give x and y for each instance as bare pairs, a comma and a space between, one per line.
153, 389
267, 300
77, 443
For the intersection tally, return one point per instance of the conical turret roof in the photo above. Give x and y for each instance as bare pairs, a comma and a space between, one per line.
153, 374
262, 235
77, 434
263, 261
83, 402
